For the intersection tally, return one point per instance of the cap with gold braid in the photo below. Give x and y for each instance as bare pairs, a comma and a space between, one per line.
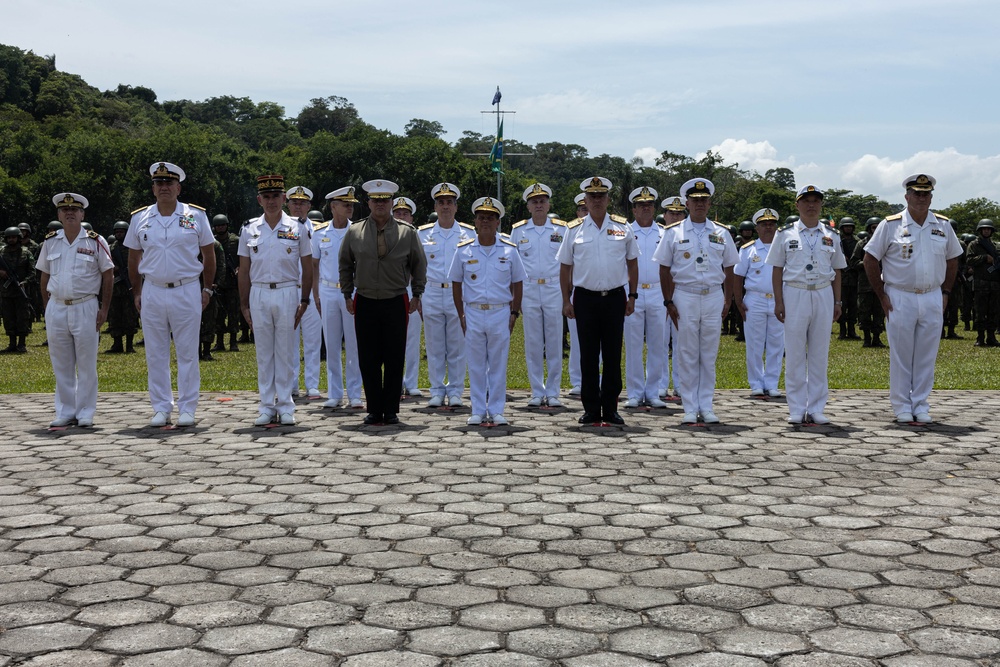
808, 190
270, 183
70, 200
673, 204
445, 190
697, 187
379, 189
578, 200
920, 183
488, 204
765, 215
404, 202
537, 190
343, 194
165, 171
643, 194
596, 185
299, 192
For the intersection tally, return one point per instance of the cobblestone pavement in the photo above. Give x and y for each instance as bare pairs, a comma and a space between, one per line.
543, 543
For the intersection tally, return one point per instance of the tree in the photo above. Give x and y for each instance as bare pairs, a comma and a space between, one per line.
418, 127
326, 114
969, 212
783, 177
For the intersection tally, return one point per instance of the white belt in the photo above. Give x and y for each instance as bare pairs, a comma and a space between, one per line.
176, 283
766, 295
487, 306
914, 290
287, 283
812, 287
649, 285
691, 289
441, 285
329, 284
73, 302
543, 281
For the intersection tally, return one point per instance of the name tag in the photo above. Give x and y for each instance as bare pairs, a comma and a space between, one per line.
473, 261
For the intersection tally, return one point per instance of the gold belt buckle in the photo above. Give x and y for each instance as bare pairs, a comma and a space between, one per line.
768, 295
541, 281
646, 286
67, 302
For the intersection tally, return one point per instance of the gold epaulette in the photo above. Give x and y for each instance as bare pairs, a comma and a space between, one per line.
941, 217
618, 218
521, 223
141, 208
200, 208
672, 224
747, 245
427, 226
467, 226
574, 223
52, 233
784, 227
894, 216
508, 242
558, 223
465, 242
320, 225
92, 234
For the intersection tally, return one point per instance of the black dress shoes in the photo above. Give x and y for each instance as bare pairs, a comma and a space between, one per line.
590, 418
372, 419
390, 419
614, 418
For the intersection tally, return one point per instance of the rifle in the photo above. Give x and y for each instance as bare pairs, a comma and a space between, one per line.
121, 266
991, 250
12, 276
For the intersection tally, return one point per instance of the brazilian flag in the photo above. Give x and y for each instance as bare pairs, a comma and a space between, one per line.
496, 153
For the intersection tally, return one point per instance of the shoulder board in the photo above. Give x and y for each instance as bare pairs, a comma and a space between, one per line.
784, 227
894, 216
672, 224
558, 223
320, 225
141, 208
508, 242
92, 234
942, 217
833, 229
465, 242
618, 218
466, 225
200, 208
522, 223
51, 234
427, 226
747, 245
574, 223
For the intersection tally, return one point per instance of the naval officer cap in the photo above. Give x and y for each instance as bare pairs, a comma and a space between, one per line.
597, 185
765, 215
643, 194
920, 183
404, 202
488, 205
379, 189
445, 190
343, 194
578, 200
165, 171
808, 190
299, 192
673, 204
536, 190
70, 200
270, 183
697, 187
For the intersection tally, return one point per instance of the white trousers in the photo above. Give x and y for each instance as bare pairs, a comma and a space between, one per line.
541, 310
72, 335
311, 332
647, 323
575, 375
338, 326
669, 338
276, 343
765, 342
172, 313
914, 331
411, 368
487, 338
808, 319
444, 342
699, 328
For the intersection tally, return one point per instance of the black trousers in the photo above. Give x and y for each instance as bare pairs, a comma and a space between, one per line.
381, 328
600, 322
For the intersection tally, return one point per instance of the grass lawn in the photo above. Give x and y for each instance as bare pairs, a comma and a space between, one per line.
959, 366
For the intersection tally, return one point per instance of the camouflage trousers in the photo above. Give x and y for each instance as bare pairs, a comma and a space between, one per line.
229, 316
16, 315
870, 315
123, 319
987, 305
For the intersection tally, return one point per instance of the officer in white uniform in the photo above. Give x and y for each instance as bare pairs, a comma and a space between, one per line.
807, 259
338, 324
697, 257
165, 240
765, 335
573, 365
442, 331
919, 253
299, 201
404, 208
275, 250
487, 276
649, 321
75, 266
538, 240
673, 211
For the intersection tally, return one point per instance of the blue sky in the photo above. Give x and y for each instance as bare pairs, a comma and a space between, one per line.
847, 94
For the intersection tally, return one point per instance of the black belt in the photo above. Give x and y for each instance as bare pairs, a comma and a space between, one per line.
600, 292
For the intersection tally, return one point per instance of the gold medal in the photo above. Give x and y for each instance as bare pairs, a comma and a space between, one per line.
473, 276
687, 255
288, 250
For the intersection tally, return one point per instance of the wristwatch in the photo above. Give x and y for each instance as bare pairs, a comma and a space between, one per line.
304, 302
633, 295
515, 313
667, 302
209, 291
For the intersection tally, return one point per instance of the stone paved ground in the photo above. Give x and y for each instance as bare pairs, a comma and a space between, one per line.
745, 544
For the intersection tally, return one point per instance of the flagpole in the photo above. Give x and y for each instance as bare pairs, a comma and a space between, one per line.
499, 173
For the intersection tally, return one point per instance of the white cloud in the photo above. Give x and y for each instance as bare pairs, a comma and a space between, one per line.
960, 176
648, 155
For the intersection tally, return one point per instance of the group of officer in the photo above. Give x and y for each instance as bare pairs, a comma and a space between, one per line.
366, 286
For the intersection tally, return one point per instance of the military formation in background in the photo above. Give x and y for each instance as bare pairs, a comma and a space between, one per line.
665, 287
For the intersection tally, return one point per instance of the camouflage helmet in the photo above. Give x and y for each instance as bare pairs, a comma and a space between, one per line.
847, 220
873, 222
315, 216
120, 225
863, 235
791, 219
659, 219
220, 219
433, 217
954, 224
12, 232
968, 238
24, 227
985, 223
54, 226
746, 225
86, 225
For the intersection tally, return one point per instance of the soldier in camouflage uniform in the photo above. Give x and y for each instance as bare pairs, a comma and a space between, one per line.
983, 257
871, 319
34, 293
951, 311
123, 318
963, 281
211, 312
849, 283
17, 271
227, 292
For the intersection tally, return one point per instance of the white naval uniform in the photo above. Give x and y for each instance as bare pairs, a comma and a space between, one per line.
311, 333
411, 365
648, 322
75, 273
669, 340
486, 274
698, 296
171, 298
275, 289
765, 335
442, 331
541, 303
338, 324
810, 258
914, 259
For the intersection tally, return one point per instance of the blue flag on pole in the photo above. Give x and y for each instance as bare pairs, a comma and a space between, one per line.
496, 97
